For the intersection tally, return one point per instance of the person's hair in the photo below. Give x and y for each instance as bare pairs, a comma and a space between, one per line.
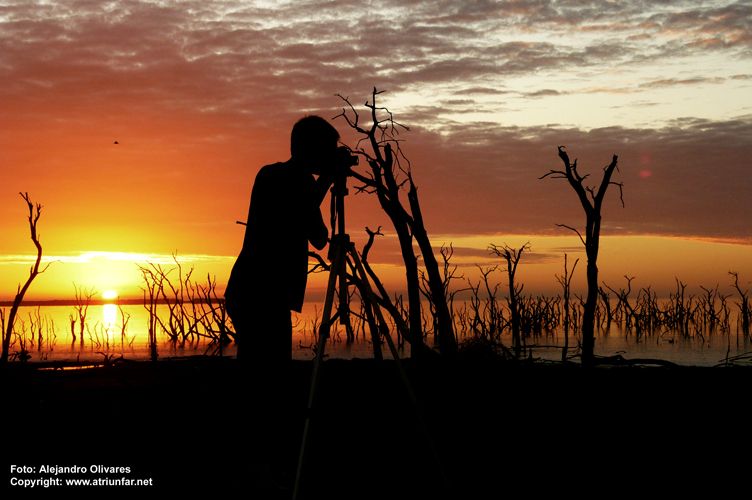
310, 134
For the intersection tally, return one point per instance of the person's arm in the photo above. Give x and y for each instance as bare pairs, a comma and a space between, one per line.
318, 234
321, 186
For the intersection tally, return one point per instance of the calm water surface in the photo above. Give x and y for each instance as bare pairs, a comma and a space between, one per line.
104, 336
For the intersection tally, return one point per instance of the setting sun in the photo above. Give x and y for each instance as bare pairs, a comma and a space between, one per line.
109, 295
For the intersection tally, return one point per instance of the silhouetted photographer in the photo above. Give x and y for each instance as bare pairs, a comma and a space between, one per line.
268, 279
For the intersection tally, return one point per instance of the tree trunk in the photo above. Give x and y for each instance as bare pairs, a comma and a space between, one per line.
447, 341
390, 203
413, 289
588, 317
515, 312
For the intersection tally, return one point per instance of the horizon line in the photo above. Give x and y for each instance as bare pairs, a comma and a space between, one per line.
93, 302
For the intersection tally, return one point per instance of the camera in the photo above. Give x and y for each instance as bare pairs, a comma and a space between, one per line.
343, 161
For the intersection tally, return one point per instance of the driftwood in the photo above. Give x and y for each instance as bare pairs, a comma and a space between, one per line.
619, 360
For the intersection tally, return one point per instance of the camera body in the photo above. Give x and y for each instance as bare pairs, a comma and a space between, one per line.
343, 161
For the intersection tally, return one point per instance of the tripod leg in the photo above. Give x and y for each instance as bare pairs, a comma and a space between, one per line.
344, 305
336, 270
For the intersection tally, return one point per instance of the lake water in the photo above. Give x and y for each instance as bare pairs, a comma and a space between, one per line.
104, 336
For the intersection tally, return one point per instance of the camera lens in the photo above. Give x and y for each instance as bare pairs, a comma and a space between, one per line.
345, 158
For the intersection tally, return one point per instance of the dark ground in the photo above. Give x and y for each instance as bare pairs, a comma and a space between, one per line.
498, 430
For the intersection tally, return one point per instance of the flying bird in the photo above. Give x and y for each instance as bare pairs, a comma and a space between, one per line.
116, 142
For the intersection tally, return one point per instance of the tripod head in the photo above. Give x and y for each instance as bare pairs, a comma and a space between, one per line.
344, 160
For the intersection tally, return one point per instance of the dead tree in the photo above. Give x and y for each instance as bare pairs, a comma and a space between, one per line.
709, 313
744, 308
214, 318
153, 277
488, 320
512, 258
448, 274
565, 281
592, 203
35, 211
606, 299
368, 299
389, 173
81, 306
382, 298
2, 329
629, 313
124, 319
371, 319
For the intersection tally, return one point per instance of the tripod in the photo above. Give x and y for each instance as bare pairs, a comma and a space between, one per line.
340, 248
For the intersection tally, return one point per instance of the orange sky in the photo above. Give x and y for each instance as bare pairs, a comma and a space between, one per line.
200, 97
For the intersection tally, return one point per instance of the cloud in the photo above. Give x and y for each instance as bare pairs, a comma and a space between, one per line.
388, 253
709, 27
673, 82
543, 93
227, 76
699, 180
232, 56
480, 91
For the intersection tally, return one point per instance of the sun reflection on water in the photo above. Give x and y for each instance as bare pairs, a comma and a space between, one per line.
109, 317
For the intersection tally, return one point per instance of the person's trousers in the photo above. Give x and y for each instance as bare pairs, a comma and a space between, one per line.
264, 334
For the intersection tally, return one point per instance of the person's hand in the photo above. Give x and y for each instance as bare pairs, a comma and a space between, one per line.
326, 177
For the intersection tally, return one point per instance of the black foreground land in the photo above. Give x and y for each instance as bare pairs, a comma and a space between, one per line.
496, 430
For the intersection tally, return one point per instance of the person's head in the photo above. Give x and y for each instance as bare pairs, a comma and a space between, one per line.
313, 142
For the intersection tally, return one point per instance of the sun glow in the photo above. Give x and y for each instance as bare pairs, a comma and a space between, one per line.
109, 317
108, 272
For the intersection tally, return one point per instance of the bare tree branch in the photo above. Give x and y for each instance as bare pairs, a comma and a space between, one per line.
320, 263
389, 174
371, 237
556, 174
575, 230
